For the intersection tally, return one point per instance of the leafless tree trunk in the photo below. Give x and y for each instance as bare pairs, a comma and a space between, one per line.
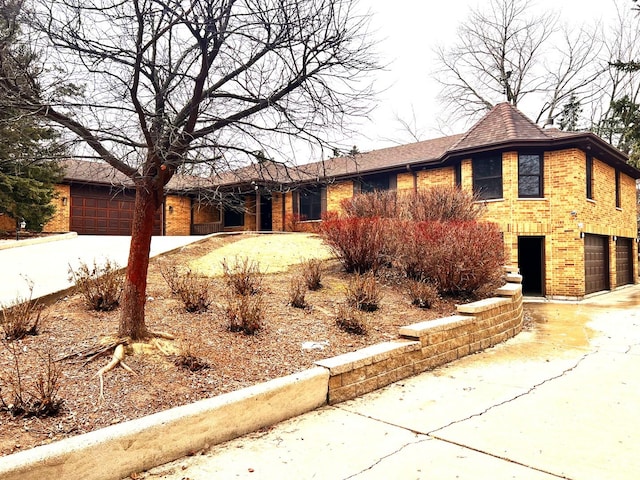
151, 85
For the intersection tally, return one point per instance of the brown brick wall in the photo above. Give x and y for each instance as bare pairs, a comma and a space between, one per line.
277, 215
7, 223
203, 213
177, 215
61, 220
337, 192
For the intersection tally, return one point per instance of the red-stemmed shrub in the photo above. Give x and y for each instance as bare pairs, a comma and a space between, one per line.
359, 243
459, 257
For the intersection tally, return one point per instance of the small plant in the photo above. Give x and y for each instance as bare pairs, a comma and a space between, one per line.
422, 294
23, 317
189, 360
172, 274
38, 398
243, 276
100, 285
312, 272
194, 292
363, 292
297, 292
243, 313
351, 320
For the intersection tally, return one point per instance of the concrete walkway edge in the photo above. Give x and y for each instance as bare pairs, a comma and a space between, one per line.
37, 240
137, 445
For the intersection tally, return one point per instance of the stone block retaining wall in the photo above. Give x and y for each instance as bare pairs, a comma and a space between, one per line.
426, 345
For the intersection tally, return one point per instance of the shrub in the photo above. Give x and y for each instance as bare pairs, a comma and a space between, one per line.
188, 359
440, 203
297, 292
312, 272
100, 285
359, 243
292, 222
372, 204
243, 313
422, 294
458, 257
38, 398
194, 292
351, 320
23, 317
172, 274
363, 293
243, 276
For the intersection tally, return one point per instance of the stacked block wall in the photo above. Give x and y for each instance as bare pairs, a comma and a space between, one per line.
424, 346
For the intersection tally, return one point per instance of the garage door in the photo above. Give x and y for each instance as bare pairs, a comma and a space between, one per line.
624, 265
99, 211
596, 263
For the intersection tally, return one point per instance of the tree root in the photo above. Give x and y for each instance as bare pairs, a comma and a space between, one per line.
117, 359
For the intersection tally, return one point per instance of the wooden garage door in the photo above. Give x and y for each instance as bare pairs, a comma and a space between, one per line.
624, 261
99, 211
596, 263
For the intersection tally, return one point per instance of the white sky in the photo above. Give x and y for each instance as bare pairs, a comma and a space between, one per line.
408, 31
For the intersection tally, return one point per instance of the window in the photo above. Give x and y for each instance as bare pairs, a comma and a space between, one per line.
376, 183
487, 177
590, 177
310, 203
234, 212
617, 189
457, 171
530, 175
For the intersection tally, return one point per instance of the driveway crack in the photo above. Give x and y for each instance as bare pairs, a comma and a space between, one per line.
520, 395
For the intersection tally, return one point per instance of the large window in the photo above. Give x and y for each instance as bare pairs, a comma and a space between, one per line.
487, 176
530, 175
310, 203
234, 212
378, 182
589, 177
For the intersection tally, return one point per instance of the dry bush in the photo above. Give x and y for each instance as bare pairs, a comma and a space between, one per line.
312, 272
194, 292
359, 243
351, 320
189, 360
297, 292
99, 285
172, 274
243, 313
243, 276
440, 203
422, 294
22, 317
363, 292
381, 204
30, 394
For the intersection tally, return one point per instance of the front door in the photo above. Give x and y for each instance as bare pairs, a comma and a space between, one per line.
266, 215
531, 265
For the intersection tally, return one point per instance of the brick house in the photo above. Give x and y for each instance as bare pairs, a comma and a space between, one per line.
565, 201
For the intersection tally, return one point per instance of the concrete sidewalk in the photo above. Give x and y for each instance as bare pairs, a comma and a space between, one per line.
558, 401
47, 264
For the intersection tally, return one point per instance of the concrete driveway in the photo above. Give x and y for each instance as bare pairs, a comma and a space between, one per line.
47, 264
558, 401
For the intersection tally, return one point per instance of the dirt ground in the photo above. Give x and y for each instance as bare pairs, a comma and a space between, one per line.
234, 360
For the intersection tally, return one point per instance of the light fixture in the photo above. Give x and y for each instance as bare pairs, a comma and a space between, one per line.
170, 208
64, 201
615, 239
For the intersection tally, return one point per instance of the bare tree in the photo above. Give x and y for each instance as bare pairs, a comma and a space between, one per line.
504, 53
152, 85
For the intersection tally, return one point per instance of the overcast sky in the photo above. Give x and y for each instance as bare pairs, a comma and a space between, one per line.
408, 31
